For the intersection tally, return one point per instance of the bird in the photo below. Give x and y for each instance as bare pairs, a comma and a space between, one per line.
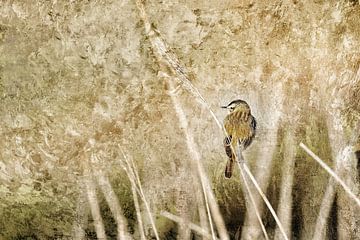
240, 127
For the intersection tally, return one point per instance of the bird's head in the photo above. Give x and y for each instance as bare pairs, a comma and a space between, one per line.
237, 105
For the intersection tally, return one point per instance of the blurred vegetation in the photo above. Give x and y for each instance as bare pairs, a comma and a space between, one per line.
77, 72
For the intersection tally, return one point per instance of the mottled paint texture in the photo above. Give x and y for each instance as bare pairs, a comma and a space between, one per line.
85, 104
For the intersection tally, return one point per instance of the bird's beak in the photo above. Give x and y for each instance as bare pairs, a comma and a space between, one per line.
224, 107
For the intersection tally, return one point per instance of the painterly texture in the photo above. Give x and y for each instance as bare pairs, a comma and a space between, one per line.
86, 110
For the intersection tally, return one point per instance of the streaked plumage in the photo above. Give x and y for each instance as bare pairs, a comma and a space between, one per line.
240, 126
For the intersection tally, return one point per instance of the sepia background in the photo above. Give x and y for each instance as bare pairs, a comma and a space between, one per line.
110, 119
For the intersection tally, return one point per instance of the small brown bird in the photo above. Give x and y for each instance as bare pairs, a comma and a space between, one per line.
240, 127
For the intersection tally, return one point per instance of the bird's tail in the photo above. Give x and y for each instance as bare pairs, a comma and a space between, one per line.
230, 154
229, 168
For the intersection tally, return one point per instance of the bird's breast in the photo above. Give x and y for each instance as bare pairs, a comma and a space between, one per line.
238, 125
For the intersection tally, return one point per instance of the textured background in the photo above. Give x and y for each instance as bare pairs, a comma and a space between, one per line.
83, 88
